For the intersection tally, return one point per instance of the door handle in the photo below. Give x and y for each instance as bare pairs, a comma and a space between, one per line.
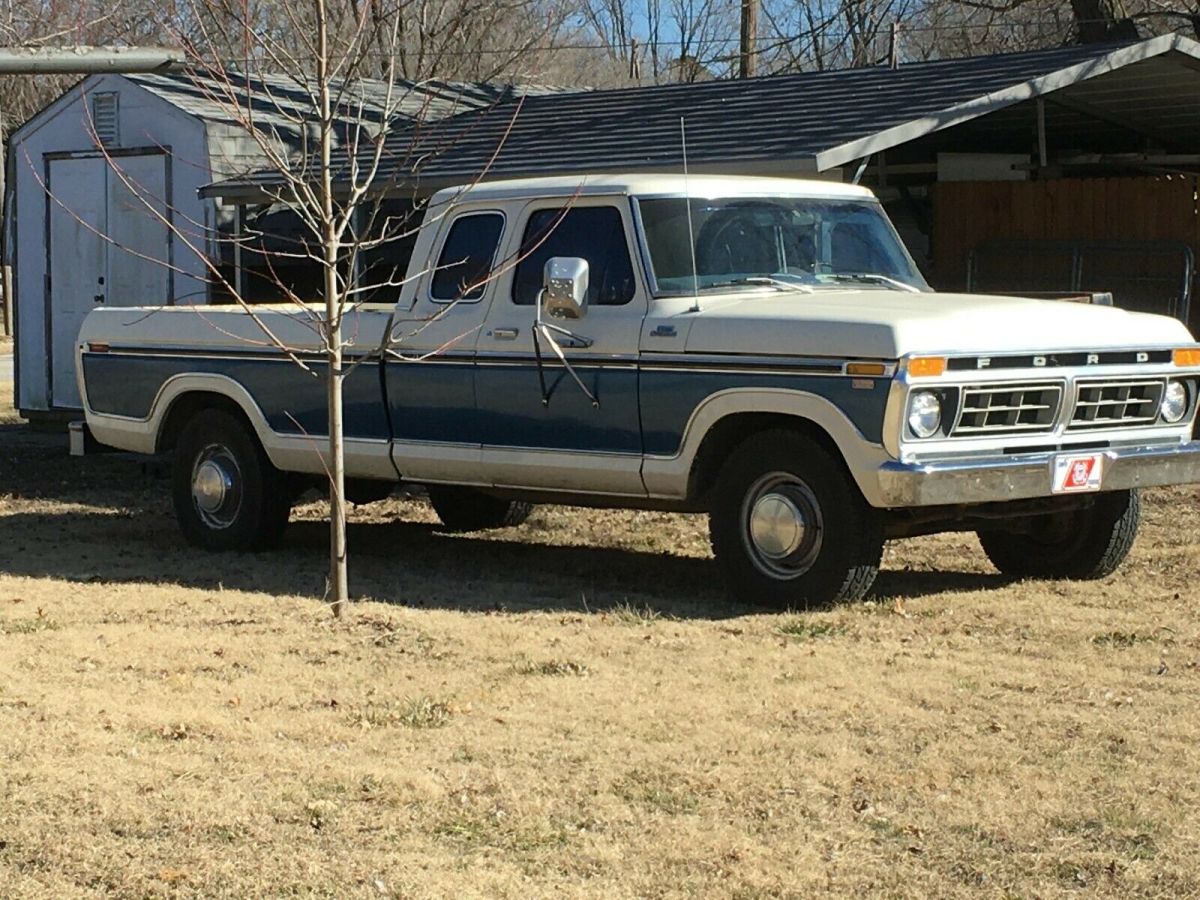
505, 334
572, 341
97, 298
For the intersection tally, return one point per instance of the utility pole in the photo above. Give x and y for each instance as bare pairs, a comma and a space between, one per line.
748, 58
67, 61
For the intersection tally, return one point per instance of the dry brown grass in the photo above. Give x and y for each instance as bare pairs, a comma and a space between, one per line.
573, 709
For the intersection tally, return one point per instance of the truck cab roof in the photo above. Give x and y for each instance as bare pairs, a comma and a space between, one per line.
704, 186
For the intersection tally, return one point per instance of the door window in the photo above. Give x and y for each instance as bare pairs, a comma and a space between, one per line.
467, 256
594, 233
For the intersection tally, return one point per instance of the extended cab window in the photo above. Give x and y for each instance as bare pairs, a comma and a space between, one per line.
595, 233
467, 256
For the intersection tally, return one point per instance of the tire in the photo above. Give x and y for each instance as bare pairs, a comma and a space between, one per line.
466, 509
361, 491
226, 493
791, 479
1080, 545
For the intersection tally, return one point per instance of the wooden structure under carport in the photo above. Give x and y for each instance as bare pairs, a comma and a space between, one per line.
1142, 231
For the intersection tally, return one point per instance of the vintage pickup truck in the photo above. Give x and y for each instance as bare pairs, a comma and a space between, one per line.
760, 350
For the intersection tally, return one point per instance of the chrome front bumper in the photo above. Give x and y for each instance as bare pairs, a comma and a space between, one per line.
999, 478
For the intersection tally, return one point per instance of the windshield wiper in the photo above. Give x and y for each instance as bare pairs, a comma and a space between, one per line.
872, 278
764, 281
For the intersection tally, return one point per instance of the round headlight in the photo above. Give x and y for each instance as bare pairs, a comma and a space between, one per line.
924, 414
1174, 404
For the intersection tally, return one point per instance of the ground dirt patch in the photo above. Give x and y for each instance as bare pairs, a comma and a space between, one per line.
573, 708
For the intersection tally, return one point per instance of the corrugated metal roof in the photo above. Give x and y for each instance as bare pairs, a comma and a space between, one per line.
825, 118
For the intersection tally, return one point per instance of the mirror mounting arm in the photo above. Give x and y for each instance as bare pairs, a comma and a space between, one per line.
547, 330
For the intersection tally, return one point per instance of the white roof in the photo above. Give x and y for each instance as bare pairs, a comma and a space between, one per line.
651, 184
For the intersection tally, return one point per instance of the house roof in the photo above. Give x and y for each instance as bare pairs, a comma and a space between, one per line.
817, 120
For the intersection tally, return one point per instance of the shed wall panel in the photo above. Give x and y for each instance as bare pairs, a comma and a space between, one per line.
146, 121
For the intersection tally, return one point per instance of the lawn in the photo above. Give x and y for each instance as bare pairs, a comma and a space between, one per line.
573, 708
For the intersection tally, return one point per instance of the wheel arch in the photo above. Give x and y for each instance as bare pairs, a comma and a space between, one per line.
725, 419
187, 405
734, 429
184, 396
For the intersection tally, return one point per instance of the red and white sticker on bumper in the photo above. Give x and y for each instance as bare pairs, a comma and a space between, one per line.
1078, 474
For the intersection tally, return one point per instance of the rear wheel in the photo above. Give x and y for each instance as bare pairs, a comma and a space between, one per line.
466, 509
788, 526
1079, 544
226, 493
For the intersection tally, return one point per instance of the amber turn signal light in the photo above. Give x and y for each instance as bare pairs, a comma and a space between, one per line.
925, 366
1187, 356
873, 369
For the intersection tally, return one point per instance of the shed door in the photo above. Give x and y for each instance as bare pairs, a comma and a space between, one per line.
87, 202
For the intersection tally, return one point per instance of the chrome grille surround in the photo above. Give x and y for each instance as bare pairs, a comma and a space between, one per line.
1013, 408
1116, 403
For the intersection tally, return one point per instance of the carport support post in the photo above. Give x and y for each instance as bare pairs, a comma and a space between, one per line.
239, 217
5, 271
1041, 133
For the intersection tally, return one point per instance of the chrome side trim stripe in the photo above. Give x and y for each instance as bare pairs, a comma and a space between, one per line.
650, 361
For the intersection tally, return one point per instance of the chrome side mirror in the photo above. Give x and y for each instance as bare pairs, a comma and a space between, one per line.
565, 287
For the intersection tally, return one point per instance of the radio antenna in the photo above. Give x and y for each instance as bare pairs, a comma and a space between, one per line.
691, 234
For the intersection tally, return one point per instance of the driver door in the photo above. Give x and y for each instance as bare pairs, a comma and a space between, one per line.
539, 428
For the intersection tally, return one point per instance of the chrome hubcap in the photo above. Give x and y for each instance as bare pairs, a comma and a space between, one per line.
210, 486
217, 486
776, 526
782, 525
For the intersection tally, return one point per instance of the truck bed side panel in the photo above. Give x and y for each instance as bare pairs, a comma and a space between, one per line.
292, 400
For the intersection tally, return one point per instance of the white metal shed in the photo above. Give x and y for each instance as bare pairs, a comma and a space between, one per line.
84, 224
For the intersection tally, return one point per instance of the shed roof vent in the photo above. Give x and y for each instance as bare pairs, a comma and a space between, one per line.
105, 119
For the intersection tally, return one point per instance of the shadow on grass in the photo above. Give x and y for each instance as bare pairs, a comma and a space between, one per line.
400, 562
405, 563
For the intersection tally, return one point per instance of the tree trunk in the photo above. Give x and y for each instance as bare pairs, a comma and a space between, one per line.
1100, 21
747, 60
339, 582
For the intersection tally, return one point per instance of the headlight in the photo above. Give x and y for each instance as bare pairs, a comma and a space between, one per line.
1174, 404
925, 414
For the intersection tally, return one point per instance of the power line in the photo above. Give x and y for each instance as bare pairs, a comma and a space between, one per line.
642, 45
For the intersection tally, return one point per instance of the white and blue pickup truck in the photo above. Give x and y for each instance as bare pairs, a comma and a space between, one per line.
760, 350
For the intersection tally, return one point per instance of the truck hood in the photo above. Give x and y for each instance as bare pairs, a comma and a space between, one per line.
885, 324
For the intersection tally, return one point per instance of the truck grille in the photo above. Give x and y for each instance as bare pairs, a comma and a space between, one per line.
1008, 408
1116, 404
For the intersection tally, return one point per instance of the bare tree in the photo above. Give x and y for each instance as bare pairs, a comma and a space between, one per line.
325, 132
333, 181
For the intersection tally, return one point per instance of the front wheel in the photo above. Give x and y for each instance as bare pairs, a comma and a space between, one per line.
226, 493
466, 509
788, 526
1079, 544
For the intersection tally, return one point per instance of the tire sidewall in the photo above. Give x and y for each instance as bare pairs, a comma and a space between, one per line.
1097, 543
467, 509
851, 543
253, 524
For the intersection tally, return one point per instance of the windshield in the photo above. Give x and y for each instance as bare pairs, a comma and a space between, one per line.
783, 241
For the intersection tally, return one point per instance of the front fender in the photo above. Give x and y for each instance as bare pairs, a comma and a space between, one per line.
667, 476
